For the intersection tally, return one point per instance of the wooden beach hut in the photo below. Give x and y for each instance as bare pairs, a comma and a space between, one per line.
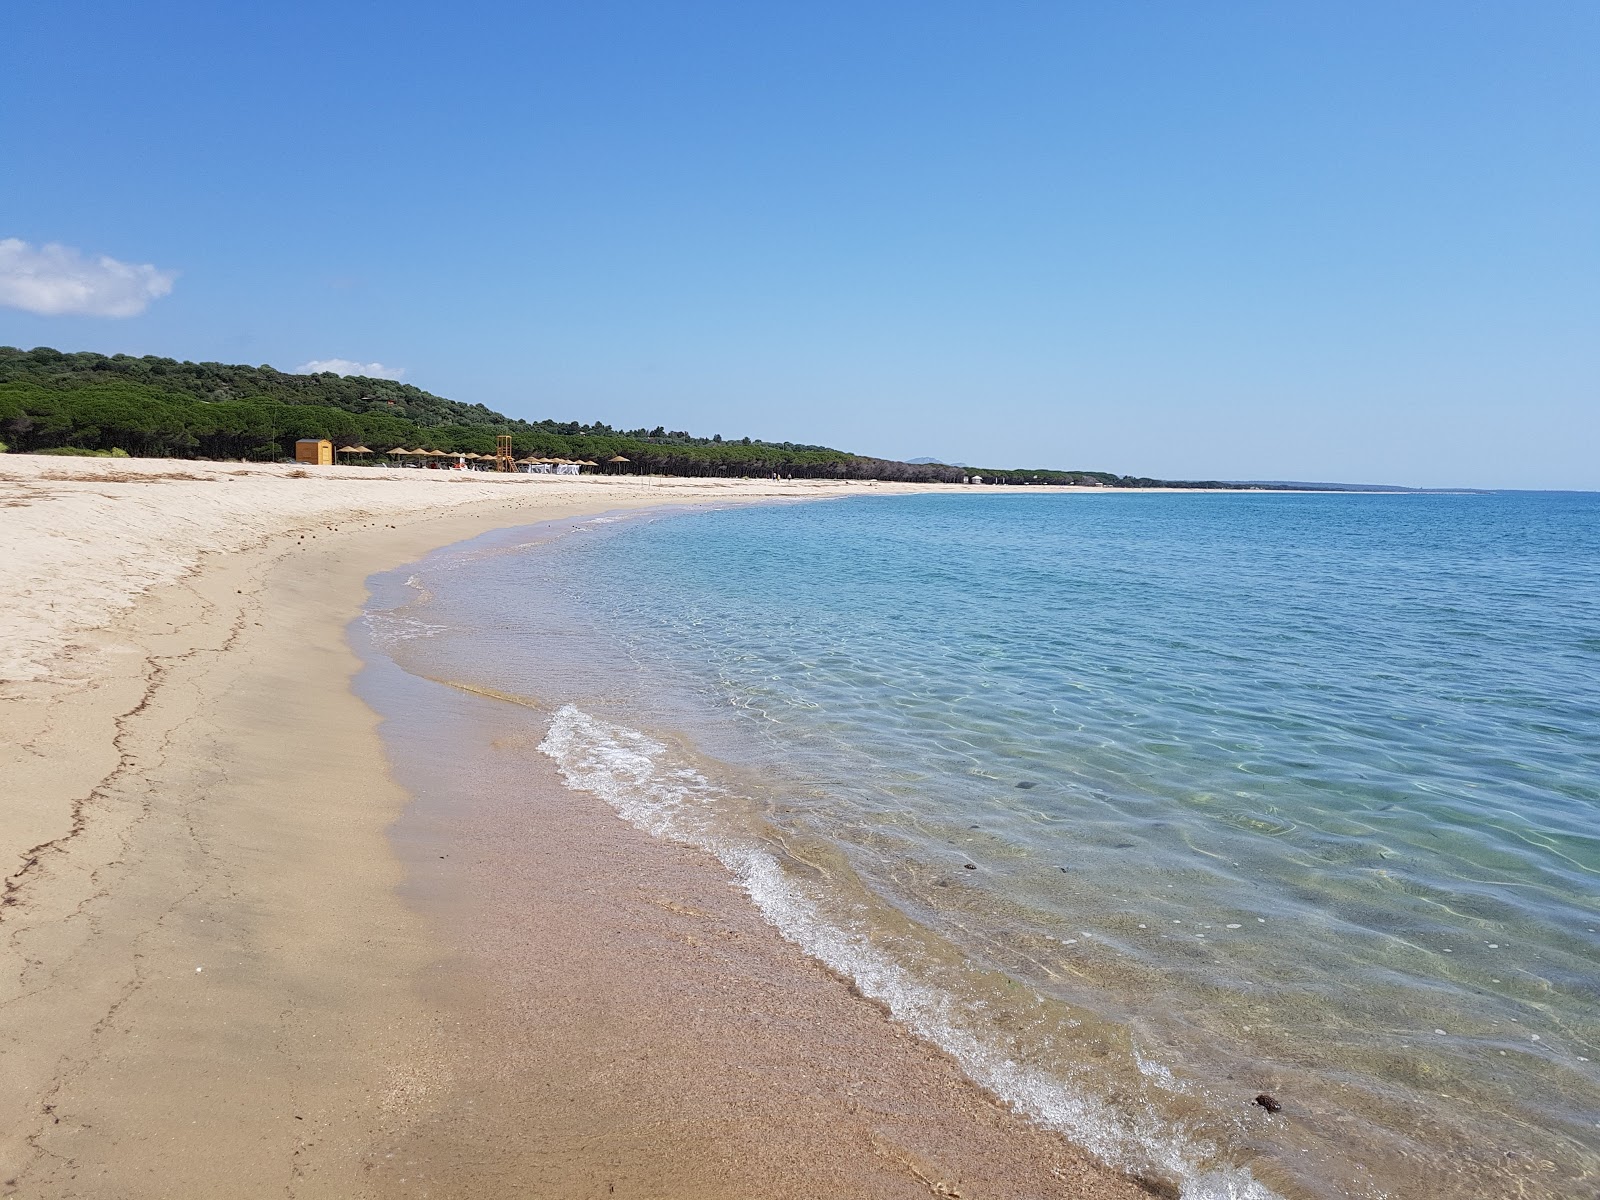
318, 452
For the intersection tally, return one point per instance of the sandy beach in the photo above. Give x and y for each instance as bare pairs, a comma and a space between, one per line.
229, 972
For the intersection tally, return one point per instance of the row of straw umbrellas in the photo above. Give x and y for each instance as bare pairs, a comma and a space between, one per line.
402, 452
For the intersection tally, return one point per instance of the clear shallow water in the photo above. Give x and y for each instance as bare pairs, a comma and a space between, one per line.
1261, 793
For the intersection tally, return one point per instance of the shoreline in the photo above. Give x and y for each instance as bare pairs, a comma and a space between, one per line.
213, 986
689, 1050
65, 539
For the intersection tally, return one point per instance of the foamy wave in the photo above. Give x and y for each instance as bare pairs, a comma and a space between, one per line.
632, 772
387, 630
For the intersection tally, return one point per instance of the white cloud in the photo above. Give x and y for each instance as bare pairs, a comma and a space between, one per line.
343, 366
54, 280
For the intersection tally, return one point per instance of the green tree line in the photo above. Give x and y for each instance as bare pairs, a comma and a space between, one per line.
161, 407
146, 421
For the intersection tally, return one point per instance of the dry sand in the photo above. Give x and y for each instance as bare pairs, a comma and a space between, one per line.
223, 977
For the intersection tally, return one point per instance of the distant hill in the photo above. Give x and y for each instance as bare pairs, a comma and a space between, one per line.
161, 407
216, 382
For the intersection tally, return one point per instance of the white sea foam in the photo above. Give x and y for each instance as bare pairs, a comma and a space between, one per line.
636, 776
387, 630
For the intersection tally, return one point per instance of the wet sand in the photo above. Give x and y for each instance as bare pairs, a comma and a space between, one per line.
224, 976
655, 1036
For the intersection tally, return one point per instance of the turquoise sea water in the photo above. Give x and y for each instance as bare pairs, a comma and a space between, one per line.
1140, 805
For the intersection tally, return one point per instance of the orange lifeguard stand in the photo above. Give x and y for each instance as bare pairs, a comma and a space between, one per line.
502, 453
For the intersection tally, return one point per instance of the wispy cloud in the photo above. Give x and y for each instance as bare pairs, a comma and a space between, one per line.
56, 281
343, 366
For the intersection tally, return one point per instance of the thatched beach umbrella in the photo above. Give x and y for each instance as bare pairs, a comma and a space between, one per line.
352, 450
399, 452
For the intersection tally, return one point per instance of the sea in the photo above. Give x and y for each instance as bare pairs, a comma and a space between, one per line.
1250, 841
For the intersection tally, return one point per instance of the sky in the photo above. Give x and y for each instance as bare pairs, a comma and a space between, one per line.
1315, 241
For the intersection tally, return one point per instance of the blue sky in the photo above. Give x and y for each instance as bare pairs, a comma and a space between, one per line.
1341, 241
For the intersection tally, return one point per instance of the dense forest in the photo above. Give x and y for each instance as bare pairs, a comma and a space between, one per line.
159, 407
